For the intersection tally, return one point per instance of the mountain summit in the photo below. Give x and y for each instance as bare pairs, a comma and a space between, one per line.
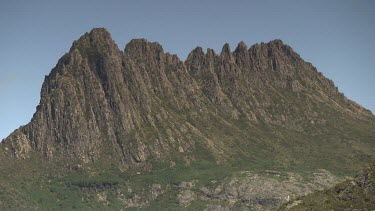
99, 99
262, 107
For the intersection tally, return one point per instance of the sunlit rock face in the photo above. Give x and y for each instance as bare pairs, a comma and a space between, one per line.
142, 104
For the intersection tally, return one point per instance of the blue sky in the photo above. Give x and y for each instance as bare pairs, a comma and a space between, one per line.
338, 37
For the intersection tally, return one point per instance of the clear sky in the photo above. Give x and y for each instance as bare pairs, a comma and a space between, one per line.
338, 37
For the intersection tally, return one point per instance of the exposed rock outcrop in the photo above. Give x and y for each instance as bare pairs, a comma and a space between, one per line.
142, 103
355, 194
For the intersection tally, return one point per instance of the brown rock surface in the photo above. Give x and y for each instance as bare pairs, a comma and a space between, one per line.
142, 103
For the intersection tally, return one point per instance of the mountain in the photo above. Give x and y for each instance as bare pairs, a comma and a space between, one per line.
356, 194
138, 127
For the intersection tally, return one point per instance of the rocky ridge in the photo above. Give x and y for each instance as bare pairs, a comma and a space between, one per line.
100, 97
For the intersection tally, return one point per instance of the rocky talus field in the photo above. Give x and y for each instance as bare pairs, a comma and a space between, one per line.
254, 128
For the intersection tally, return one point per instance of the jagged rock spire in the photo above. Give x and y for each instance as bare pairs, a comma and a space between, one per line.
97, 38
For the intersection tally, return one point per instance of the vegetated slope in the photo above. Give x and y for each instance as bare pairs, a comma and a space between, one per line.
356, 194
119, 113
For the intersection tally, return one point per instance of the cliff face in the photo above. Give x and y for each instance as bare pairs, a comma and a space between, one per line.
142, 104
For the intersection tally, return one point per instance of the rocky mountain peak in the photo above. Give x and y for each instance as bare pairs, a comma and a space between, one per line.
211, 53
196, 53
226, 55
278, 47
241, 55
98, 39
241, 47
276, 42
140, 48
142, 103
225, 51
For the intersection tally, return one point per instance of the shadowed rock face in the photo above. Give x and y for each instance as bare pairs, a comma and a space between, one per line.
140, 104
